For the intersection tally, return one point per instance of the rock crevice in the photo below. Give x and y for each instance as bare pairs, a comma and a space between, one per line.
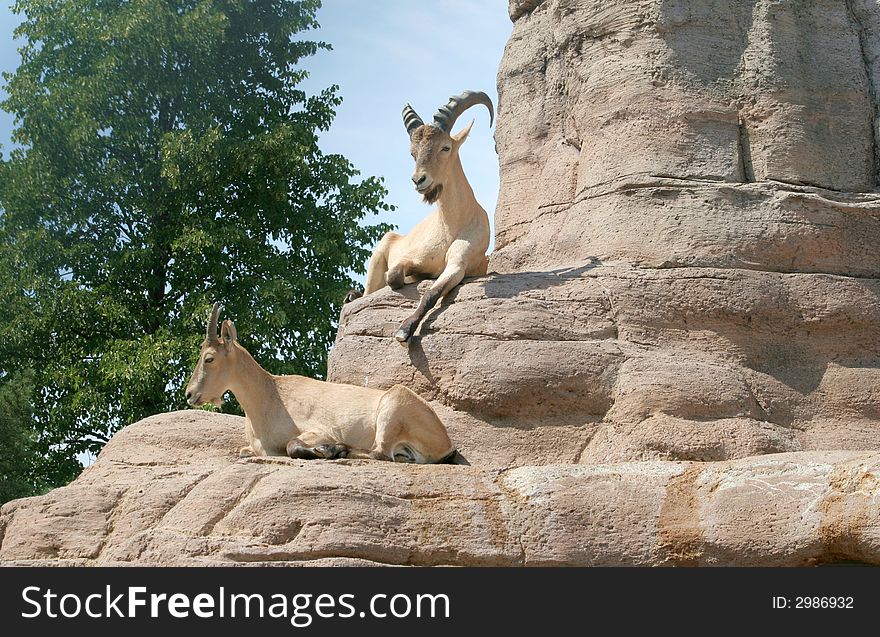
860, 16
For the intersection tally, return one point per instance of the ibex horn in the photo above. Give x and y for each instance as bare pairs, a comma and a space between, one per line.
445, 117
411, 119
212, 323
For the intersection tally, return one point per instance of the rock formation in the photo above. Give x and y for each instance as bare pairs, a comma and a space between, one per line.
687, 241
686, 279
677, 133
169, 490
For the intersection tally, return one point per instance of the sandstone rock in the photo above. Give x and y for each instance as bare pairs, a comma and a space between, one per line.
602, 363
206, 507
686, 262
674, 359
687, 241
711, 133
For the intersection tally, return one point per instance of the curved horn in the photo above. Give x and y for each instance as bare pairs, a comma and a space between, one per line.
411, 119
446, 115
212, 323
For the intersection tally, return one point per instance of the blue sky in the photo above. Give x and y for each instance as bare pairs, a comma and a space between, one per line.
387, 53
400, 51
8, 62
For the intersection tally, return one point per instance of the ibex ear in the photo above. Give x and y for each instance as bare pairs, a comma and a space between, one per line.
227, 331
462, 135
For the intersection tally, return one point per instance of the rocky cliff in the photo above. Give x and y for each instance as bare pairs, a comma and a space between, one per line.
674, 133
687, 241
675, 358
169, 490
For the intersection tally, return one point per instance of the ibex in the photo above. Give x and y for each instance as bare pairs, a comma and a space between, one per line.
450, 243
308, 419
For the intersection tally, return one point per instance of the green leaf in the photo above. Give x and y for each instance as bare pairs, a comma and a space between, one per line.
167, 158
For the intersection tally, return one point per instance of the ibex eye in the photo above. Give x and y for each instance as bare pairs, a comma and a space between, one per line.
445, 149
209, 359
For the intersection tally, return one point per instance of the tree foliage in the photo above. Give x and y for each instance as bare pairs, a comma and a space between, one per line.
166, 157
18, 456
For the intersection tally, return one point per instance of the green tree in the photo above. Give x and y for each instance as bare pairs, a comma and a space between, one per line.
17, 442
166, 158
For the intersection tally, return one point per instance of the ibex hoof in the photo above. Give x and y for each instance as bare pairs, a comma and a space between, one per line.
297, 451
402, 335
332, 452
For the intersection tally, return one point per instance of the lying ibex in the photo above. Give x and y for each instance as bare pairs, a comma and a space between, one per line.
306, 418
451, 242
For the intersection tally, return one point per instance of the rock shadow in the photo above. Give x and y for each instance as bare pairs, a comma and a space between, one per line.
707, 38
507, 286
494, 285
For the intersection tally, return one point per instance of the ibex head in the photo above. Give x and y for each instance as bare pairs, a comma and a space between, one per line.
211, 376
433, 146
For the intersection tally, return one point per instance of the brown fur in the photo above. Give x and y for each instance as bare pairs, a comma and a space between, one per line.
447, 245
433, 195
313, 418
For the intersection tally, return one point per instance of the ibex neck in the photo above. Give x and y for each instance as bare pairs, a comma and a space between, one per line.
254, 389
457, 203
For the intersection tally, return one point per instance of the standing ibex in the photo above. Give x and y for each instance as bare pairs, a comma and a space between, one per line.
306, 418
451, 242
